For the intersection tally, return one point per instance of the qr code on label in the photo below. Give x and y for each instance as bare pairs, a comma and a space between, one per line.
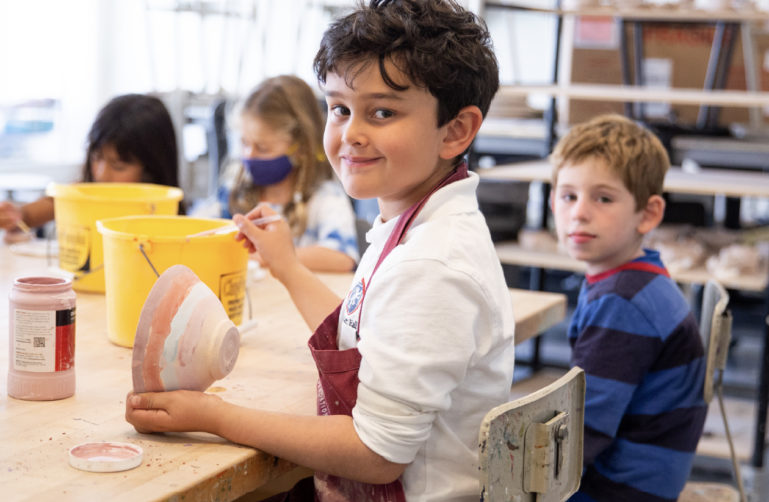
38, 341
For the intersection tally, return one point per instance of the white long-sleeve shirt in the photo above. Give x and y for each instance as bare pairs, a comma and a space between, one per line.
436, 341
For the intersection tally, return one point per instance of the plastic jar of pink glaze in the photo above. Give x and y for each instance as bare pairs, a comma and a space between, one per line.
41, 362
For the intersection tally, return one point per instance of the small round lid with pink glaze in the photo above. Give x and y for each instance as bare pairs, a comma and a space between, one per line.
105, 456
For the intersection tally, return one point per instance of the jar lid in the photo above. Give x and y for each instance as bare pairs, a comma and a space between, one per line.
105, 456
42, 283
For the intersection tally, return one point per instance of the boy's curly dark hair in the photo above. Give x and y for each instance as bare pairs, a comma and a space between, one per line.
438, 44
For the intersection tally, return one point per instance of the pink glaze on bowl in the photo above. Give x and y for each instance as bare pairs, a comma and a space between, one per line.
184, 338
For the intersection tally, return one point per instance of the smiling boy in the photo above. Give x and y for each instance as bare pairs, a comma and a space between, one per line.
632, 330
421, 347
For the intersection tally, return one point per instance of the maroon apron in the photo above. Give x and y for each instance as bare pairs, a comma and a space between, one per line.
338, 375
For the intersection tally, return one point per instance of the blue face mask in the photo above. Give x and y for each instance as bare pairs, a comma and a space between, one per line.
268, 171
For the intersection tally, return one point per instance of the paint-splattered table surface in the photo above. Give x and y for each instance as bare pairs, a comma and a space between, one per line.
272, 372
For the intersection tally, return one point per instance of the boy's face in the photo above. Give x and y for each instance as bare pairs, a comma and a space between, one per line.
595, 216
384, 143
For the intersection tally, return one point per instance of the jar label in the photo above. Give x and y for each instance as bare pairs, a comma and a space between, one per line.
232, 294
74, 247
43, 340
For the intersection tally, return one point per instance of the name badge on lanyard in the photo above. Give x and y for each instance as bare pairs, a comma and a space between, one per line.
353, 306
354, 301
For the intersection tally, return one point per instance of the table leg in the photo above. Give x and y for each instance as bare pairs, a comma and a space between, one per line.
638, 60
624, 61
536, 283
718, 66
636, 110
759, 441
551, 113
732, 213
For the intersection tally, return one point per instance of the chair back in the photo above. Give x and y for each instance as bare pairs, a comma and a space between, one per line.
716, 333
530, 449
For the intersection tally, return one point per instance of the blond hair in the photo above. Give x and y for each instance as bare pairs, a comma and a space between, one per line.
629, 149
287, 104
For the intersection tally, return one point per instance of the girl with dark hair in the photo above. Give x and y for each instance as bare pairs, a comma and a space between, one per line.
132, 140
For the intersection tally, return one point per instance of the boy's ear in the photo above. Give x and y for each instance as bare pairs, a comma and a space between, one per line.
460, 132
652, 214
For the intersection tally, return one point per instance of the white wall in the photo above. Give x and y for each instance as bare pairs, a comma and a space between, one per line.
83, 52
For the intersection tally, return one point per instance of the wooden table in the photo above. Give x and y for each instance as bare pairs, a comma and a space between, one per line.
274, 371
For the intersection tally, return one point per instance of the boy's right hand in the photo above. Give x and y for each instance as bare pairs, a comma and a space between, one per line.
272, 241
175, 411
10, 215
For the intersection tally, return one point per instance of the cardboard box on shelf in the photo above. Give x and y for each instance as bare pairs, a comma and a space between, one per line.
675, 55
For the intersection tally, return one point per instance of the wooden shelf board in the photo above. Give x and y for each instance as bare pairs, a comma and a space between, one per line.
637, 94
511, 253
642, 13
727, 182
731, 145
513, 128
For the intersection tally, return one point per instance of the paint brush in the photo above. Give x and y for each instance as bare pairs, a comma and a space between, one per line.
23, 227
233, 228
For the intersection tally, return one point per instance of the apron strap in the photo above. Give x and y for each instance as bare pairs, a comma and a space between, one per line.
407, 218
404, 223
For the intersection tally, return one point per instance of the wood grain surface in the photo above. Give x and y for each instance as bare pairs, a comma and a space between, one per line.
274, 371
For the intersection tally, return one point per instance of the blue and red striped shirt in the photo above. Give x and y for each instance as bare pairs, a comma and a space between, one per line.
635, 336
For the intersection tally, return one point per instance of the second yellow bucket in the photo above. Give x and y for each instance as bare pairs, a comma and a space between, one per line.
77, 206
139, 248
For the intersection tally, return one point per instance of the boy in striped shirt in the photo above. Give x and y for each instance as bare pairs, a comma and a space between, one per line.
632, 331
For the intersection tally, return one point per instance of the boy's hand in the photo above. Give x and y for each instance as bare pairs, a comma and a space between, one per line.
272, 242
176, 411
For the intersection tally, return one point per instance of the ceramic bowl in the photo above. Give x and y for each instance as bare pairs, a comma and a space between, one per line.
184, 339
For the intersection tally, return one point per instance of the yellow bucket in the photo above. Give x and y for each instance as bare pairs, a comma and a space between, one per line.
77, 207
139, 248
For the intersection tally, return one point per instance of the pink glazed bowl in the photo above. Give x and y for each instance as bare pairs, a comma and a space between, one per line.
184, 339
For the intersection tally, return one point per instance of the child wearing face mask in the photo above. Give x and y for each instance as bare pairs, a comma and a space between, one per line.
283, 165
